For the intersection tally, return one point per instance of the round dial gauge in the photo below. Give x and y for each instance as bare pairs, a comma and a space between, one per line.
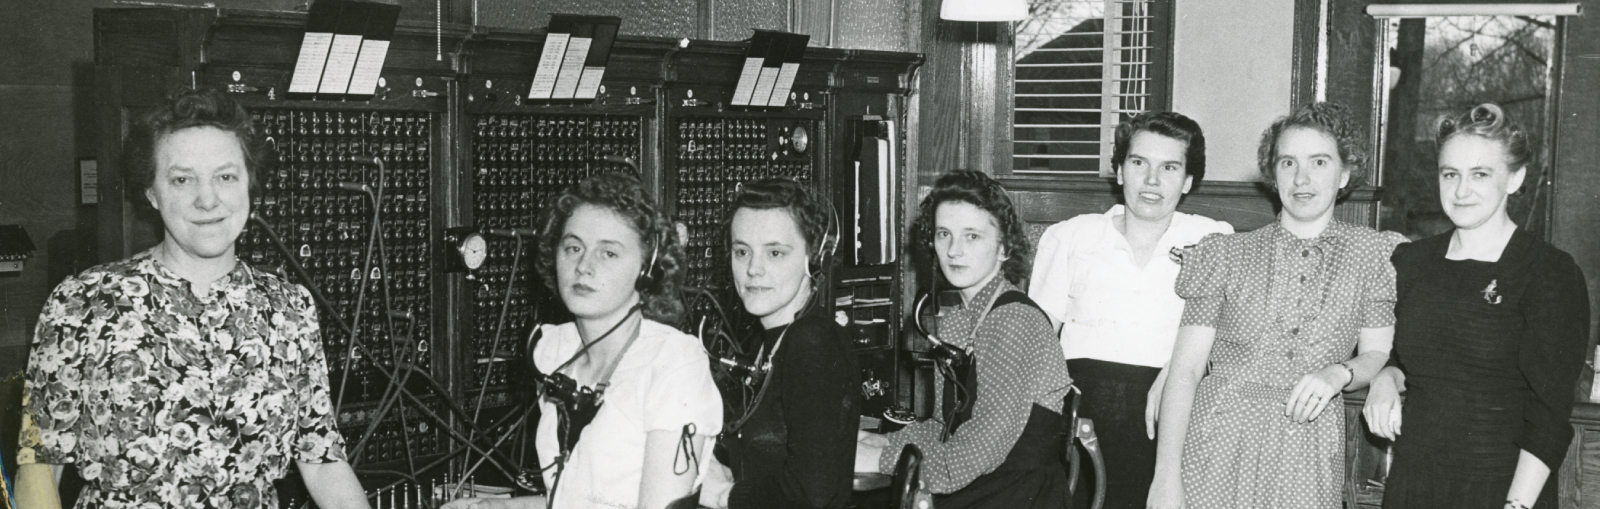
800, 139
473, 250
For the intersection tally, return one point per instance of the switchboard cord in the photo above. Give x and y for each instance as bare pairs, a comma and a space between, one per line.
494, 347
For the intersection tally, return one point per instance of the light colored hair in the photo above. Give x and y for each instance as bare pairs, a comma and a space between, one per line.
1489, 122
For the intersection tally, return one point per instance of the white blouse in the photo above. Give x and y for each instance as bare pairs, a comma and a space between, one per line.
662, 383
1111, 309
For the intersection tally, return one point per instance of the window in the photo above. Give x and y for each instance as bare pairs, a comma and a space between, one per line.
1440, 66
1082, 67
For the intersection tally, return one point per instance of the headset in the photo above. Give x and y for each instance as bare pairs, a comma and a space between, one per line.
944, 353
758, 372
828, 247
651, 273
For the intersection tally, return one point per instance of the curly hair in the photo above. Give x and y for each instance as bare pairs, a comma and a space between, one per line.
183, 110
624, 194
985, 193
813, 217
1489, 122
1327, 118
1171, 125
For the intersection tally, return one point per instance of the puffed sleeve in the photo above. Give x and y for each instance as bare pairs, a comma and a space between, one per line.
1052, 271
317, 432
1377, 310
1405, 273
821, 400
681, 392
55, 372
1556, 310
1202, 281
1017, 343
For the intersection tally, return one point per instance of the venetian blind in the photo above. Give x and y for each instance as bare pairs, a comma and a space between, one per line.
1082, 66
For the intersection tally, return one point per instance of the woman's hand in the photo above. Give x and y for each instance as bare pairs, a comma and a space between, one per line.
1165, 494
1311, 396
869, 449
1152, 405
533, 502
718, 484
1383, 407
872, 439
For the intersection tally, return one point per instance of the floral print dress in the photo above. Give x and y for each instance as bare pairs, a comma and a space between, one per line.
164, 398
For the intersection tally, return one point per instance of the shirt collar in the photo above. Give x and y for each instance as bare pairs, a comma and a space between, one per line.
1334, 231
1167, 241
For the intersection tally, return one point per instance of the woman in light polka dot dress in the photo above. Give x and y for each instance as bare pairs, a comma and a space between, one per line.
1276, 313
1004, 444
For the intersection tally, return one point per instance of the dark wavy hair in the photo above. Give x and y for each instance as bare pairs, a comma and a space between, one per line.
1327, 118
183, 110
1489, 122
1169, 124
813, 217
624, 194
985, 193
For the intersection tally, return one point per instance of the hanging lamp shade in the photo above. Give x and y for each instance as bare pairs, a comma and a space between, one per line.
984, 10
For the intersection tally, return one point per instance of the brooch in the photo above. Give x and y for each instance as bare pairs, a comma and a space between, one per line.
1176, 254
1489, 295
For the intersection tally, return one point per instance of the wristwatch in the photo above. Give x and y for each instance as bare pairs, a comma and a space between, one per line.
1351, 371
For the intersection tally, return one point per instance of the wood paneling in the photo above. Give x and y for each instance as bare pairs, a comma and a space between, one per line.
1575, 183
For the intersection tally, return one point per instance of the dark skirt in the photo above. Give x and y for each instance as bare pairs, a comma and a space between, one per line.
1114, 396
1457, 449
1031, 477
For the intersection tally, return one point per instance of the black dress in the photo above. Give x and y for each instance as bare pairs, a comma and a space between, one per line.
797, 450
1491, 353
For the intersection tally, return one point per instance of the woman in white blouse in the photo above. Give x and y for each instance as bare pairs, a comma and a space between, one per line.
1106, 280
614, 260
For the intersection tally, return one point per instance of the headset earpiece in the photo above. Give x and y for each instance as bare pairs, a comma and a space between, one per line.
650, 273
829, 246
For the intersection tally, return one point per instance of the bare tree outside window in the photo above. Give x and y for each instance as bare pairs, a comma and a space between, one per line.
1076, 79
1444, 66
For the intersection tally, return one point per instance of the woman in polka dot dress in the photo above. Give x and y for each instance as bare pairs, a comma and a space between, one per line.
1276, 313
1004, 450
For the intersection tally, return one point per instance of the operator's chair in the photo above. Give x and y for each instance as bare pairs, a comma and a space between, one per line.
1080, 435
905, 490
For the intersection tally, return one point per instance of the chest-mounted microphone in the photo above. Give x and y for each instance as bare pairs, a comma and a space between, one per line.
576, 404
749, 372
926, 319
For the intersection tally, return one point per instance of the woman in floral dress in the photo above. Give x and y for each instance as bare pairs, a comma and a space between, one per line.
183, 377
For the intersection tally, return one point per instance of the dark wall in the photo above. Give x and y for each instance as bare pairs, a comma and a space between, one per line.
46, 92
48, 99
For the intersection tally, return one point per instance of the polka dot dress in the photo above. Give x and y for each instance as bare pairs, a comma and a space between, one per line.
1283, 307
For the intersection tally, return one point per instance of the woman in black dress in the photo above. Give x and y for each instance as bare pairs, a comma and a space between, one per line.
795, 447
1490, 338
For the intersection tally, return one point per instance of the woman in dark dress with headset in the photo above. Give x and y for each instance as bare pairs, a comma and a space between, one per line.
794, 447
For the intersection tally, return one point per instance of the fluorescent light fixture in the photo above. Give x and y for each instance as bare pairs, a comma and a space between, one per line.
984, 10
1437, 10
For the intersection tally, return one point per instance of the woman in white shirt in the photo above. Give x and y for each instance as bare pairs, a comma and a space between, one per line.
613, 258
1106, 280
